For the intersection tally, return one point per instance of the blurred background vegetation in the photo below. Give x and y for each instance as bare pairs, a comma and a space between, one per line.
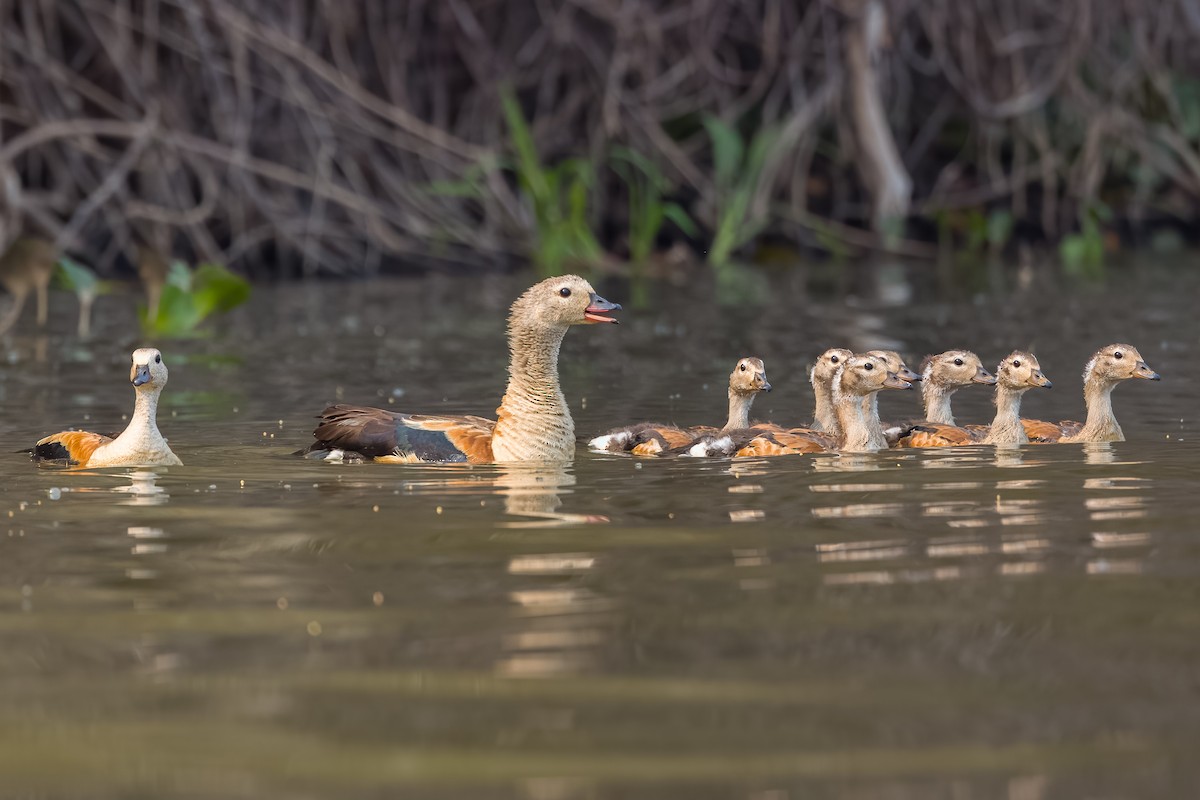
290, 139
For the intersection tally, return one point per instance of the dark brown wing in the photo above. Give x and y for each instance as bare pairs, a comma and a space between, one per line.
394, 437
937, 434
68, 447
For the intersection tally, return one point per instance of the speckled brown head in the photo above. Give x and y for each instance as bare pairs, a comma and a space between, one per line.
828, 363
894, 363
865, 374
955, 369
560, 302
148, 371
749, 376
1020, 371
1117, 362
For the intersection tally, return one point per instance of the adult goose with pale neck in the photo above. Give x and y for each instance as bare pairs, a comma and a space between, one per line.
140, 444
533, 422
749, 377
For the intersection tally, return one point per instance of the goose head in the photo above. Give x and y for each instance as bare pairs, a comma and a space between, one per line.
895, 363
561, 302
954, 369
1118, 362
864, 374
828, 363
1020, 371
148, 371
749, 377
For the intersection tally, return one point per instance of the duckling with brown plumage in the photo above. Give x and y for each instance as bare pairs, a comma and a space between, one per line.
749, 377
1104, 372
941, 376
856, 379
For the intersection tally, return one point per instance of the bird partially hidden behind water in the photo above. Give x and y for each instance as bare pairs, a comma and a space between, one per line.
533, 422
140, 444
749, 377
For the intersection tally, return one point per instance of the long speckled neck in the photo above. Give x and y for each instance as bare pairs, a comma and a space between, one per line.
533, 422
739, 410
824, 417
859, 435
937, 401
1006, 428
1101, 424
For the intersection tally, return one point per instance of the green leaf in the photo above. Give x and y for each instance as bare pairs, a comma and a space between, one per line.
177, 313
78, 278
675, 213
999, 227
179, 276
727, 151
218, 289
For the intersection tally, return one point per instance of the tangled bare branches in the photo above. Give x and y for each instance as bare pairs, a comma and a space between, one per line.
322, 136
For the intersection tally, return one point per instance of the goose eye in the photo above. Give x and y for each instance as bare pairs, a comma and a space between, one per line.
868, 365
833, 359
958, 362
1118, 354
565, 292
158, 359
1016, 363
742, 367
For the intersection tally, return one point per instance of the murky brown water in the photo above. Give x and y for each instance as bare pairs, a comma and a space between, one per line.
1016, 624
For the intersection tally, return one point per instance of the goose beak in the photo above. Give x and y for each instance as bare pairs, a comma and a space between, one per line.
141, 374
597, 308
984, 377
1038, 379
1143, 371
906, 374
761, 382
894, 381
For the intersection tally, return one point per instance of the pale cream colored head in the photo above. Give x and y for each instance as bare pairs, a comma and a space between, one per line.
749, 377
560, 302
865, 374
1020, 371
148, 372
1118, 362
892, 360
828, 364
955, 369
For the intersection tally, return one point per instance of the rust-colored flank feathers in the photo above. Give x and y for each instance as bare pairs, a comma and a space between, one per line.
749, 377
533, 422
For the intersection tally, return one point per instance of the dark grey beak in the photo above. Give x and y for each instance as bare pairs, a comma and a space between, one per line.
598, 307
142, 375
766, 387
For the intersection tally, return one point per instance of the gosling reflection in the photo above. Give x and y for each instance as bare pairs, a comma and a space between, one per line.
143, 489
1112, 504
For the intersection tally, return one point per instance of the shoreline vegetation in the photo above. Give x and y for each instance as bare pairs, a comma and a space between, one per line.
359, 137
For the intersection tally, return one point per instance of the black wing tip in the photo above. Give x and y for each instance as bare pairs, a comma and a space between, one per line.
51, 451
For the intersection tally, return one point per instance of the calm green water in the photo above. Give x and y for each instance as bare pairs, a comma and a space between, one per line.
1017, 624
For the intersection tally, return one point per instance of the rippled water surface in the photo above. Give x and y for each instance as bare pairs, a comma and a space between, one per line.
971, 623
